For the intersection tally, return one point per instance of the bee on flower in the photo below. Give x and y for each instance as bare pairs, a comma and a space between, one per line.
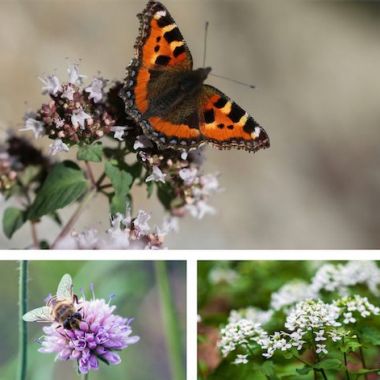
85, 331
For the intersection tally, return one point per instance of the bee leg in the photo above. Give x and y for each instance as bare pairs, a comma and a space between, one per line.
75, 298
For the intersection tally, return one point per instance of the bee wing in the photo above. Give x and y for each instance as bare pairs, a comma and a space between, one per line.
41, 314
65, 287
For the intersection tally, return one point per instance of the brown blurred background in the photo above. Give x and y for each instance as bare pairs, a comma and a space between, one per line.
315, 65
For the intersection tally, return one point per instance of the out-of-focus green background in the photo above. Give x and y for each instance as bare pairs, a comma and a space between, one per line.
315, 65
135, 288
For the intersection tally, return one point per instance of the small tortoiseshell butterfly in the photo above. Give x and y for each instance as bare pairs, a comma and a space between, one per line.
168, 99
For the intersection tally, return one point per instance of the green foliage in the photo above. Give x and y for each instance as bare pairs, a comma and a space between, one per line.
165, 194
92, 152
327, 364
13, 219
121, 181
63, 186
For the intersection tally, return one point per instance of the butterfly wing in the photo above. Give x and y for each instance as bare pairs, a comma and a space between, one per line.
65, 287
226, 125
160, 50
159, 47
41, 314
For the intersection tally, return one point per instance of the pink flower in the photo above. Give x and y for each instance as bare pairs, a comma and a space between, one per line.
101, 335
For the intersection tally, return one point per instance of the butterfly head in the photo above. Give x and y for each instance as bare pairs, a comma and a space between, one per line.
192, 81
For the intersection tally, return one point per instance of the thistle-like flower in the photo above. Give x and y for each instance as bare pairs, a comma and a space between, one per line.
86, 331
100, 336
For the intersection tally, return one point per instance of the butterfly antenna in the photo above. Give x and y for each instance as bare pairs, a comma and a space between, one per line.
205, 44
233, 80
216, 75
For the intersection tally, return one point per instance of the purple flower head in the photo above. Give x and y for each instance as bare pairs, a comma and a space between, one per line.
100, 336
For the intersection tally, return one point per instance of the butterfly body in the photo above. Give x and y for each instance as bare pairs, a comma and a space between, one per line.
169, 99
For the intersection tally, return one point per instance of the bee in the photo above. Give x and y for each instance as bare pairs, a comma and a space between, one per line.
61, 308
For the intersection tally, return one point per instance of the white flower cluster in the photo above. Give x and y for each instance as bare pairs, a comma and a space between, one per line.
291, 293
309, 320
203, 186
219, 275
125, 233
355, 304
338, 278
312, 315
330, 278
240, 333
253, 314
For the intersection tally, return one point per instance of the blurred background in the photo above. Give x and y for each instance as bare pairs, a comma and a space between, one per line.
135, 288
315, 65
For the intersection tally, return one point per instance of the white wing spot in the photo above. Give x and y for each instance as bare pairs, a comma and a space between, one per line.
159, 14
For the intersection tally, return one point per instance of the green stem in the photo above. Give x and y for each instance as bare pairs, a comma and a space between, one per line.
86, 376
23, 330
345, 365
362, 358
170, 320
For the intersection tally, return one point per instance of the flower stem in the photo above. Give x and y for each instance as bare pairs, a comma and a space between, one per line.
86, 376
345, 366
362, 358
23, 330
170, 320
36, 243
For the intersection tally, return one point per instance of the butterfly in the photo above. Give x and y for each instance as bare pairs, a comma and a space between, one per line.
169, 100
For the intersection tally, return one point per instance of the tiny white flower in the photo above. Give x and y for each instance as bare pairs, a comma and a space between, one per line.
210, 183
74, 76
184, 155
36, 126
59, 123
141, 222
57, 146
169, 224
321, 348
241, 359
188, 175
320, 335
199, 209
156, 176
51, 84
68, 93
95, 89
79, 117
118, 132
142, 142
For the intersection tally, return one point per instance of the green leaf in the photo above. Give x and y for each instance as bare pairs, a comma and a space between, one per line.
268, 370
135, 169
120, 179
150, 188
64, 185
165, 194
13, 219
56, 218
304, 370
93, 152
121, 182
334, 364
119, 203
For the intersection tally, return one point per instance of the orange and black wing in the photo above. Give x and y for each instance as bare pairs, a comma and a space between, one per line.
226, 125
159, 47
